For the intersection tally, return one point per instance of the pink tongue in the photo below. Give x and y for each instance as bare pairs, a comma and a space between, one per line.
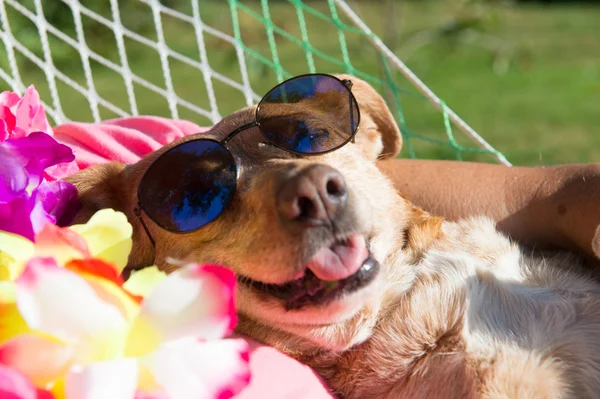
341, 260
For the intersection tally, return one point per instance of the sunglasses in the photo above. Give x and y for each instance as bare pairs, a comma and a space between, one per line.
191, 184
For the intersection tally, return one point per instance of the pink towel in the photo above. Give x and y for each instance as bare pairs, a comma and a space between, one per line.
124, 140
274, 375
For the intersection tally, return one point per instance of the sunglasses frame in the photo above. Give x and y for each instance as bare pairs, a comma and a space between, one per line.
346, 83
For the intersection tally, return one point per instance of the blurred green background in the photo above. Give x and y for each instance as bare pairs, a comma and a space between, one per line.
525, 75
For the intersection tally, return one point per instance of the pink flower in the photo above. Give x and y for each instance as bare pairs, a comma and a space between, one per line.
27, 199
14, 385
38, 151
71, 325
31, 166
88, 335
21, 116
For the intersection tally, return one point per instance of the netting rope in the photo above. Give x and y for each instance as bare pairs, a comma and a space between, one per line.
259, 37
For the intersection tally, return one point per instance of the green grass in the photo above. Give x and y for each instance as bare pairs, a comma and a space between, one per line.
543, 109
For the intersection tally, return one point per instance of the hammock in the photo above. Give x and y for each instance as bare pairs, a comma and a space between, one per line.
200, 60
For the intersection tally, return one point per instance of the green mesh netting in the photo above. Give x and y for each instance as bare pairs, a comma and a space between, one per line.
200, 60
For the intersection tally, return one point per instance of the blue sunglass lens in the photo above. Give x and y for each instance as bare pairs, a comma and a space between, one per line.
188, 186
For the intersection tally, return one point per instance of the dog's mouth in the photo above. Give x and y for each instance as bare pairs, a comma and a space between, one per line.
341, 268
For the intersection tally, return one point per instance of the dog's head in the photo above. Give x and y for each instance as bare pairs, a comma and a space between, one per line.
308, 236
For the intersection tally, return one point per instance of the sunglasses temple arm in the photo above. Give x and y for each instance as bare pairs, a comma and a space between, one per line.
348, 84
138, 213
237, 131
352, 117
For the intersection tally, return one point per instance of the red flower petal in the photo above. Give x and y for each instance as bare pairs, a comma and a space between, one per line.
96, 267
102, 269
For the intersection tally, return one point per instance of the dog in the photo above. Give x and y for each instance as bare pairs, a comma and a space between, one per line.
381, 298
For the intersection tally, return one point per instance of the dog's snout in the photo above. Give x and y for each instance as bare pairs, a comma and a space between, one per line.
313, 197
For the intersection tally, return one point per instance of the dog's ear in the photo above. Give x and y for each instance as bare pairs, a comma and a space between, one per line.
379, 135
98, 187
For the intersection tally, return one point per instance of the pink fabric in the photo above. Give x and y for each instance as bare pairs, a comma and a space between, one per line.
124, 140
274, 375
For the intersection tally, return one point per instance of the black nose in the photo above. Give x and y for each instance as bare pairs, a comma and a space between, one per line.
313, 197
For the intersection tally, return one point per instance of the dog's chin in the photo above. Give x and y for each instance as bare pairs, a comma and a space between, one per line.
310, 300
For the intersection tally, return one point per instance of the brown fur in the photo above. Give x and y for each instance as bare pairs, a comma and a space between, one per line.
423, 230
457, 311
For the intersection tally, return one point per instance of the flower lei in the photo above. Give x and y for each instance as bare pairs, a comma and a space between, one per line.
70, 327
